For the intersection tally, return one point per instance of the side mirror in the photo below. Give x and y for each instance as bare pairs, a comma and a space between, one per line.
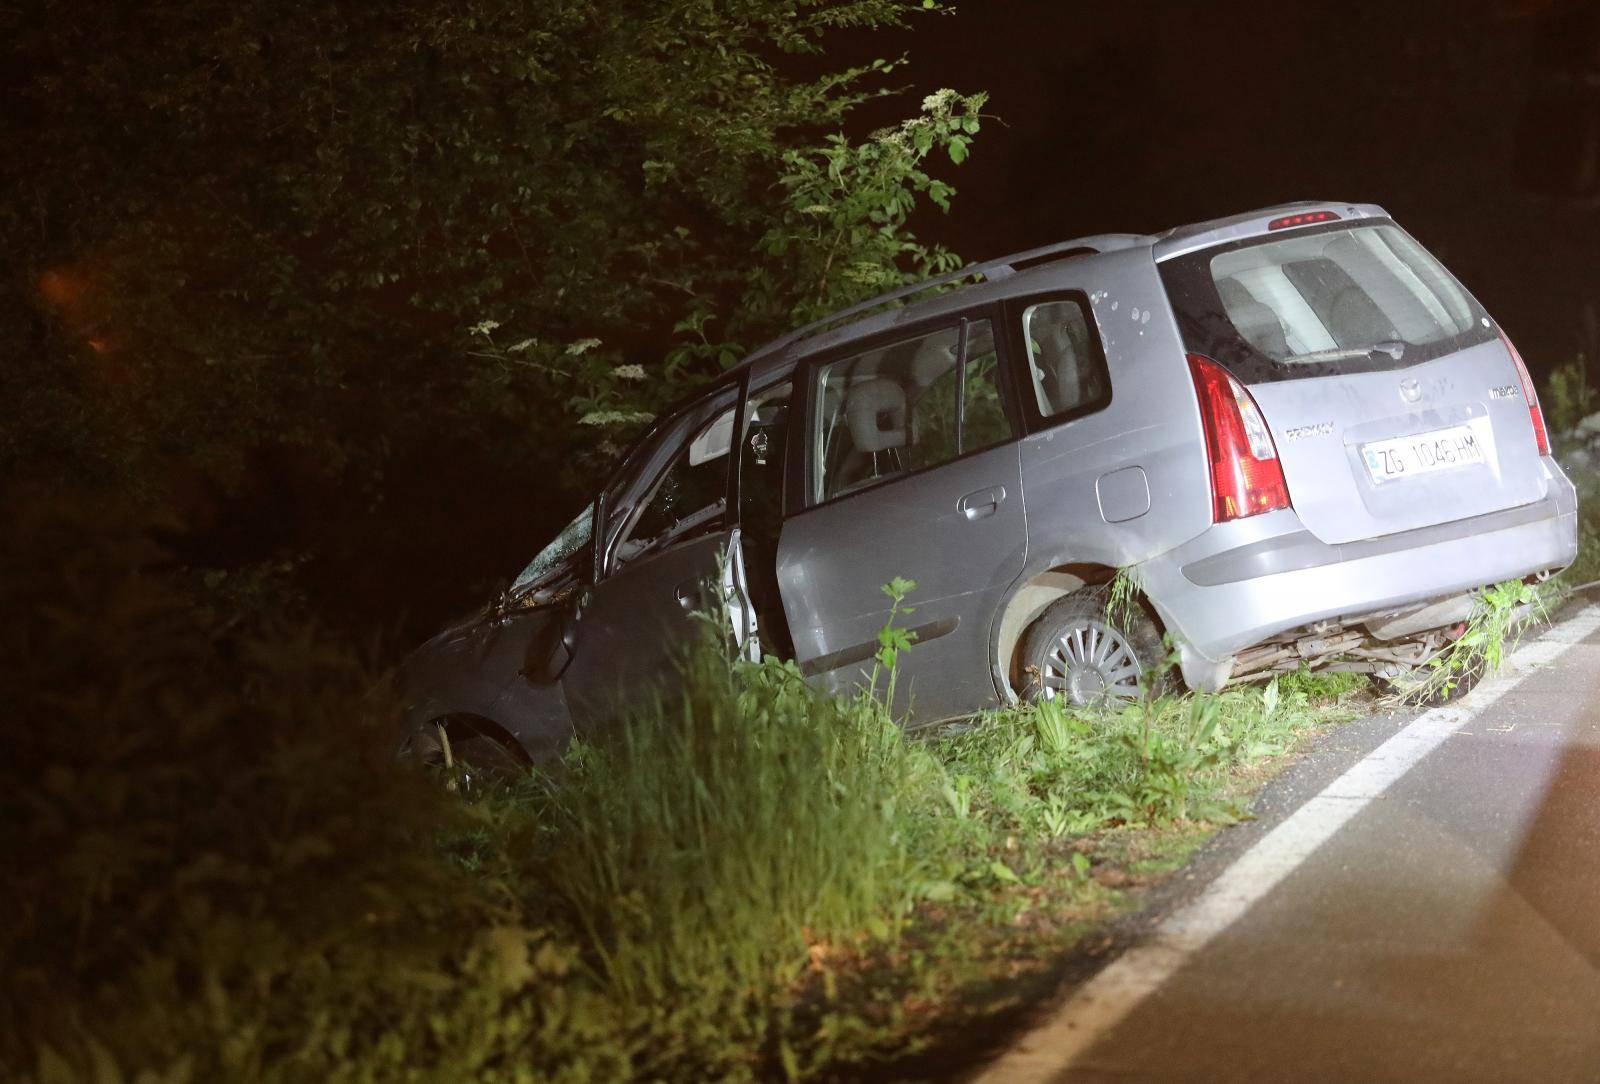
494, 612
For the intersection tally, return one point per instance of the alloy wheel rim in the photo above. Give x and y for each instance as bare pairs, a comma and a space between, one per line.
1092, 663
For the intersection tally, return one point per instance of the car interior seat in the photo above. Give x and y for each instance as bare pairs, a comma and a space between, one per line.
1256, 322
1057, 384
875, 413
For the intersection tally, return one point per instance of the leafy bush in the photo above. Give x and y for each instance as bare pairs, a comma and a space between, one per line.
212, 870
1568, 398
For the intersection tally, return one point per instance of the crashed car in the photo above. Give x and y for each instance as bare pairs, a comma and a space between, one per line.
1296, 437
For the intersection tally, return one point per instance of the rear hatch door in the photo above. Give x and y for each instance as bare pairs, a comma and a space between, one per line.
1392, 398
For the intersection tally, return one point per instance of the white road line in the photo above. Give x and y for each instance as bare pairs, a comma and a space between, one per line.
1102, 1002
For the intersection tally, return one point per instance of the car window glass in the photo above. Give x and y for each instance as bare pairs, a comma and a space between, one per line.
690, 498
572, 537
1321, 296
983, 422
1062, 360
899, 408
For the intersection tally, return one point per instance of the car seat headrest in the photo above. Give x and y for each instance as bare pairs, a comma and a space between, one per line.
876, 413
1256, 322
935, 356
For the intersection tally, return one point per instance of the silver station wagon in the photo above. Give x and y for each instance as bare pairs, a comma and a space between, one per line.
1299, 436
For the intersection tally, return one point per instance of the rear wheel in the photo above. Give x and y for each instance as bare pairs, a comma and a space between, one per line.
1079, 651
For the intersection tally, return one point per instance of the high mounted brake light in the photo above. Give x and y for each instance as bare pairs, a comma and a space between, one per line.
1308, 218
1242, 461
1541, 435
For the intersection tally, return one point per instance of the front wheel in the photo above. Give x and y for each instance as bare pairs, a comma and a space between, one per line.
467, 758
1079, 650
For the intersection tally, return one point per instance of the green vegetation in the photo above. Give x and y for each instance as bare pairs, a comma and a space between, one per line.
292, 281
297, 279
1500, 614
1122, 595
228, 878
1568, 398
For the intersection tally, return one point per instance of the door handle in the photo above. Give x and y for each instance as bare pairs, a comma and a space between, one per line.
985, 502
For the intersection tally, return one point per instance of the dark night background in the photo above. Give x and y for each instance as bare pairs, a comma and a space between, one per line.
1143, 115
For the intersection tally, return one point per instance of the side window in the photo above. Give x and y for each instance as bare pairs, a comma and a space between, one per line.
905, 407
691, 497
984, 422
1063, 357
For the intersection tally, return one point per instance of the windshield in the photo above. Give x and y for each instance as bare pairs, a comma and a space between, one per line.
573, 537
1338, 300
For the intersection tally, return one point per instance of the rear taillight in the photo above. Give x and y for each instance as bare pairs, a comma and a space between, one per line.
1246, 477
1540, 434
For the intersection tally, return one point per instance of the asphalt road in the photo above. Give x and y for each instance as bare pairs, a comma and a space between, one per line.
1420, 901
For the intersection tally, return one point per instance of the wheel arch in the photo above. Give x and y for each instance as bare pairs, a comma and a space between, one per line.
1029, 597
459, 725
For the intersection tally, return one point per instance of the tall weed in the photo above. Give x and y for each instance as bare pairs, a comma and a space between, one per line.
720, 835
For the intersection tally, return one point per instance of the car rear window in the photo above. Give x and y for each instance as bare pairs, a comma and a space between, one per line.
1317, 302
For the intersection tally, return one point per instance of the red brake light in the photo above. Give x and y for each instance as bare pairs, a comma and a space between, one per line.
1541, 435
1246, 477
1306, 219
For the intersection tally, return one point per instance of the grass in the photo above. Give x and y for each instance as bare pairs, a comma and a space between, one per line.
224, 876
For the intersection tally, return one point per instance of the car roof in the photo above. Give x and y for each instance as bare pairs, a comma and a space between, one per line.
870, 316
989, 271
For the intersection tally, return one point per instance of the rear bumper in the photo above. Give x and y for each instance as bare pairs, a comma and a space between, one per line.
1244, 582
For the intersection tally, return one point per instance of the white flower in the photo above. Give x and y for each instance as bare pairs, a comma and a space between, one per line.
582, 346
615, 417
628, 372
484, 327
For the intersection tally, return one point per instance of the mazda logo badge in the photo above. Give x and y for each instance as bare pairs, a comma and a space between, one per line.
1410, 390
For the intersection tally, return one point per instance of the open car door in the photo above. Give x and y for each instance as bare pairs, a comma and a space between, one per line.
667, 558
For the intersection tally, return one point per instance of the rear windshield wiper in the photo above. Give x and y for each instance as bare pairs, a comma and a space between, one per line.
1392, 348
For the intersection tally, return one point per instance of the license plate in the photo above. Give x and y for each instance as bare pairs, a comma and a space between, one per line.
1425, 453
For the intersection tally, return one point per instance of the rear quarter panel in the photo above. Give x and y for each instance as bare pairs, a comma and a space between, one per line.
1152, 422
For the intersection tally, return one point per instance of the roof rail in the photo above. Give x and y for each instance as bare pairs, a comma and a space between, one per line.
990, 270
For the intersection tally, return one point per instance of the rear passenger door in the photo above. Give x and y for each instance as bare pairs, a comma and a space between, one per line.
910, 469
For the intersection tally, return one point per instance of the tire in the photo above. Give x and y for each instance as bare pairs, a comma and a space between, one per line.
476, 759
1075, 648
